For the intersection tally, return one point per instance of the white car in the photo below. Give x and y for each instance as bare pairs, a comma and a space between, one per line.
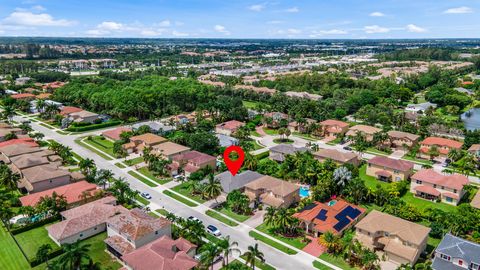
192, 218
146, 195
213, 230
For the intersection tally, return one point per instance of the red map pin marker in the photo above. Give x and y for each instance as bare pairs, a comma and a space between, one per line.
233, 165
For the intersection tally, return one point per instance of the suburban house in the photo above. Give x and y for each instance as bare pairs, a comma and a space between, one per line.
22, 162
14, 150
162, 254
431, 185
191, 162
114, 134
84, 221
272, 192
305, 95
337, 156
389, 169
420, 108
84, 117
12, 130
334, 216
73, 194
228, 128
474, 150
140, 142
333, 128
134, 229
273, 119
43, 177
402, 140
443, 146
230, 183
278, 152
67, 110
476, 201
226, 141
401, 241
155, 126
23, 96
168, 150
25, 141
367, 131
455, 253
301, 126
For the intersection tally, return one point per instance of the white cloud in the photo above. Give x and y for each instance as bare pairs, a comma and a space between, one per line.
111, 26
377, 14
292, 10
458, 10
179, 34
38, 8
27, 18
274, 22
374, 29
415, 29
290, 32
164, 23
257, 8
96, 32
319, 33
221, 29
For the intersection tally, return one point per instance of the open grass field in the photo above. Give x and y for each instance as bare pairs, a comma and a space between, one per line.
31, 240
11, 258
142, 179
149, 174
183, 189
338, 261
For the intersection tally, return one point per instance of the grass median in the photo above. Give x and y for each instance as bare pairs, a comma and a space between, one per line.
221, 218
142, 179
89, 147
272, 243
179, 198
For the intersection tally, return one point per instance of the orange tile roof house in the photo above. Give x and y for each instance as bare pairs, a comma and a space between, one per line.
334, 216
337, 156
84, 221
192, 161
26, 141
275, 117
134, 229
228, 128
368, 131
6, 131
67, 110
443, 145
138, 143
402, 241
474, 150
84, 117
72, 193
272, 192
114, 134
27, 96
431, 185
333, 128
388, 169
402, 140
162, 254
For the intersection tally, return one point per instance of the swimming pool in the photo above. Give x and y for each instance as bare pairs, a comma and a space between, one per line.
304, 192
332, 202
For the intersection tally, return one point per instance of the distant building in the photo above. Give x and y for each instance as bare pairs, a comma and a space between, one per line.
402, 140
420, 108
474, 150
431, 185
230, 183
226, 141
337, 156
455, 253
191, 162
140, 142
333, 128
444, 146
114, 134
168, 150
273, 192
228, 128
278, 152
367, 131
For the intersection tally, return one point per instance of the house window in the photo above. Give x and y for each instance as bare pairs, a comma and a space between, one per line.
474, 266
445, 257
460, 262
95, 228
434, 185
449, 199
396, 172
454, 191
81, 235
419, 182
156, 232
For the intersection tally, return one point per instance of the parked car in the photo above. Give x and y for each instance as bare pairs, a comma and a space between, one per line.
192, 218
213, 230
178, 177
347, 148
146, 195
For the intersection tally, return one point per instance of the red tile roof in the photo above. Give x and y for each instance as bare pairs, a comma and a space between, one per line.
194, 157
232, 125
114, 134
25, 141
66, 110
396, 164
162, 254
427, 189
72, 193
22, 96
332, 122
442, 142
453, 181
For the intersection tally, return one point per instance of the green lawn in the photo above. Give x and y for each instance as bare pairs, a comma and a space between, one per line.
89, 147
272, 243
221, 218
120, 165
305, 136
230, 213
295, 242
370, 181
417, 160
422, 204
338, 261
76, 156
254, 133
11, 258
180, 199
31, 240
259, 264
251, 104
375, 151
45, 125
101, 143
142, 179
162, 212
183, 189
149, 174
142, 200
282, 141
152, 214
134, 161
270, 131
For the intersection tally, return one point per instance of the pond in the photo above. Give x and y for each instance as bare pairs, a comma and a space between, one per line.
471, 119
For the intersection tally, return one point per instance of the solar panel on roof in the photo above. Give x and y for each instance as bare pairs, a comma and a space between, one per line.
354, 213
322, 215
341, 224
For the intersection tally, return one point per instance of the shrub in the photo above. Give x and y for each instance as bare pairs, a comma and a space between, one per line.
93, 126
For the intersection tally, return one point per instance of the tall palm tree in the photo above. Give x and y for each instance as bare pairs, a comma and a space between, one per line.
227, 247
330, 241
42, 253
468, 165
454, 154
270, 215
252, 254
8, 179
73, 255
212, 188
210, 251
86, 166
250, 162
103, 177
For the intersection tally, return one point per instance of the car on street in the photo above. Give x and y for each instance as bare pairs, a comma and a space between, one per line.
213, 230
192, 218
347, 148
146, 195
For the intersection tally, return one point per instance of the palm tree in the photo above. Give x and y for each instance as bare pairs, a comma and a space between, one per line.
213, 188
433, 152
8, 179
8, 113
40, 106
252, 254
73, 255
454, 154
227, 248
120, 188
330, 241
468, 165
250, 162
42, 253
103, 177
86, 166
210, 251
193, 186
6, 213
270, 216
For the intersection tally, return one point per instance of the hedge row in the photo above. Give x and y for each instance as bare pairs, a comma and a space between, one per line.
94, 126
51, 255
33, 225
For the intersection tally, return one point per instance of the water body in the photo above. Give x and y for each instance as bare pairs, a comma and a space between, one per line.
471, 119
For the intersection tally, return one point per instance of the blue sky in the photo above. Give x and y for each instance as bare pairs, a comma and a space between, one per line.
242, 19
